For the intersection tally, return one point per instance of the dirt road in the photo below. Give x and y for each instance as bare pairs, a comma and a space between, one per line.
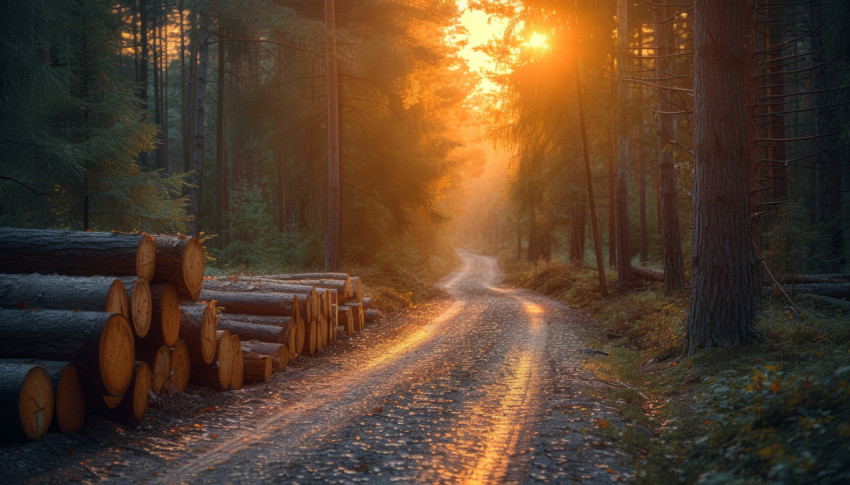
479, 388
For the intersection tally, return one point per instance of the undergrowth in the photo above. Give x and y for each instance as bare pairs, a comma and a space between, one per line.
777, 411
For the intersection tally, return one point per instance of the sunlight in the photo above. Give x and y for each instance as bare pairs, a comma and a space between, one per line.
478, 29
538, 41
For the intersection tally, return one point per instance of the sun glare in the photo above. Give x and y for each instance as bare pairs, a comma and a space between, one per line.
538, 41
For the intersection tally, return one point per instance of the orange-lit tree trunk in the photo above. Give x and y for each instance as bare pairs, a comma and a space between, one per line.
199, 115
332, 235
724, 284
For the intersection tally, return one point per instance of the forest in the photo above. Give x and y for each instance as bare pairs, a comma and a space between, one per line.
677, 168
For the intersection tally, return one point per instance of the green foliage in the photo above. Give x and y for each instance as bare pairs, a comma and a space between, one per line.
257, 246
71, 128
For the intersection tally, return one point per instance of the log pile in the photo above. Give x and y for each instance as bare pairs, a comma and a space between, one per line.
107, 320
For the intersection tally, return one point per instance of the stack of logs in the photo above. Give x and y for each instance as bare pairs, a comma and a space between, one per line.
109, 320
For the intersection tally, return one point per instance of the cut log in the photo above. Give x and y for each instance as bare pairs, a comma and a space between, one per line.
101, 344
648, 274
257, 368
254, 303
308, 296
180, 261
140, 300
26, 400
371, 315
290, 330
357, 314
343, 287
106, 402
218, 374
181, 366
95, 293
76, 253
165, 319
238, 377
346, 319
135, 402
69, 403
254, 331
159, 363
367, 303
197, 327
356, 289
279, 353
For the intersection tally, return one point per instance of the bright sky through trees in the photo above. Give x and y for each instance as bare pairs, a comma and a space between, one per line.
480, 28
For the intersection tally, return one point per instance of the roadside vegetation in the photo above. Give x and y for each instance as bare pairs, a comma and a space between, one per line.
777, 411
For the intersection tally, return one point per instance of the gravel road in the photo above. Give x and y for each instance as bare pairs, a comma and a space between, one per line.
481, 387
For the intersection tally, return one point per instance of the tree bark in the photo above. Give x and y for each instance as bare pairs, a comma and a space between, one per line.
725, 282
101, 344
254, 331
624, 252
332, 235
199, 116
278, 352
671, 245
296, 333
180, 261
94, 293
26, 400
76, 253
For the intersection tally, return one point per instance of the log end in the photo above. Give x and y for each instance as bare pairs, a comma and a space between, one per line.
181, 365
238, 377
159, 361
193, 267
116, 299
208, 334
116, 355
35, 403
140, 307
137, 401
226, 354
146, 257
70, 408
169, 314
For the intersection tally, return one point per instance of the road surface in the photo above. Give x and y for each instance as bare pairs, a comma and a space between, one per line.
480, 388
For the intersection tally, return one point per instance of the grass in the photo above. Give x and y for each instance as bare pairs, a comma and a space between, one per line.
777, 411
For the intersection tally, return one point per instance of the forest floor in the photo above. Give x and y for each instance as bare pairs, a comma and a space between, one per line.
776, 411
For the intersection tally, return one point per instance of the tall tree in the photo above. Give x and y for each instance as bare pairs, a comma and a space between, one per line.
725, 284
671, 246
624, 251
332, 235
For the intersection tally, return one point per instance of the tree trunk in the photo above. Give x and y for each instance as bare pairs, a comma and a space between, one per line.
100, 343
180, 261
597, 238
143, 69
641, 173
725, 280
332, 235
346, 318
624, 252
94, 293
198, 325
76, 253
199, 117
26, 399
671, 245
220, 147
